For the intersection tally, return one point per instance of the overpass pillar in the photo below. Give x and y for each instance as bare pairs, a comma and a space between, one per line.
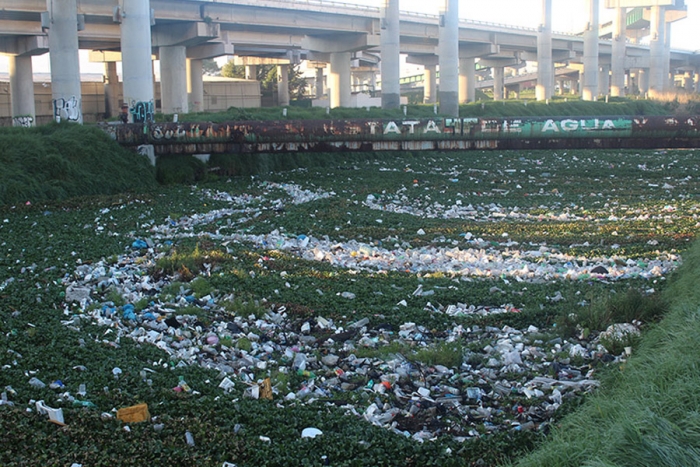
195, 85
429, 85
498, 82
668, 71
448, 51
604, 80
319, 83
590, 53
561, 82
22, 91
545, 64
282, 85
657, 45
688, 84
65, 65
467, 80
137, 66
251, 72
619, 51
111, 87
516, 91
173, 79
390, 63
339, 80
643, 81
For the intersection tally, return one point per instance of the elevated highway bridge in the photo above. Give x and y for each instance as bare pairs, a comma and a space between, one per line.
330, 35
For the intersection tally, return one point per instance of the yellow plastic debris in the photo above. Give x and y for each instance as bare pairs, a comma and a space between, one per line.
134, 414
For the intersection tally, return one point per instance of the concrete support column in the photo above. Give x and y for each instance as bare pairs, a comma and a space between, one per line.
604, 80
560, 82
137, 66
22, 91
697, 81
590, 53
195, 85
390, 64
643, 81
545, 64
657, 45
619, 51
575, 84
283, 85
429, 85
668, 71
516, 91
498, 82
688, 84
111, 87
65, 64
339, 80
173, 79
319, 83
251, 72
467, 80
448, 50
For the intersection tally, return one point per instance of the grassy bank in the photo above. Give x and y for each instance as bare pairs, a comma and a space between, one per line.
557, 107
649, 412
55, 162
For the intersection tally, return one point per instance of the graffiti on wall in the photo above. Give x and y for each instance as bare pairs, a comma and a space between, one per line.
25, 121
67, 109
142, 112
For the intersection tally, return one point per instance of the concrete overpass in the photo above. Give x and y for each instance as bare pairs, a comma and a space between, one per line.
181, 33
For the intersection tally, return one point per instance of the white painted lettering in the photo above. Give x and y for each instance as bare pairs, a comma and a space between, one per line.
569, 125
608, 125
392, 127
412, 124
550, 125
432, 127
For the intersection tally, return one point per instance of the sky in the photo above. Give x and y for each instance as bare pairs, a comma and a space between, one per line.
568, 16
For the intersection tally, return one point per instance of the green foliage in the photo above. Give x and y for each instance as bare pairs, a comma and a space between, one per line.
557, 107
242, 307
210, 67
189, 261
253, 164
60, 161
612, 308
244, 344
267, 75
179, 169
114, 297
663, 377
201, 287
449, 354
230, 70
201, 314
647, 414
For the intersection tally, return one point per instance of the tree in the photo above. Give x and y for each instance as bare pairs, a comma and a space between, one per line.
229, 70
297, 83
267, 75
210, 67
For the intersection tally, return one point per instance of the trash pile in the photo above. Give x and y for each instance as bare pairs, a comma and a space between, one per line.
513, 380
475, 257
499, 379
